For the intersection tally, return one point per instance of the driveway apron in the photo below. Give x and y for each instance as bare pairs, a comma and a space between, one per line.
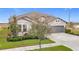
71, 41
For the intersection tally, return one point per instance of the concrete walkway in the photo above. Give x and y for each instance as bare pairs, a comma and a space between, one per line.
68, 40
32, 47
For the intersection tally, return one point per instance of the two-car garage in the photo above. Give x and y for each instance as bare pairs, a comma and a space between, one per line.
58, 29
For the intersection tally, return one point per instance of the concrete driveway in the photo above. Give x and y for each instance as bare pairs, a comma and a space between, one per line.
65, 39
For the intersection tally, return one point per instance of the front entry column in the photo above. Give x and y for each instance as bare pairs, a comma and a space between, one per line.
22, 28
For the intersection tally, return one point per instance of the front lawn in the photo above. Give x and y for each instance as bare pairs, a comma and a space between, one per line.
75, 31
5, 44
55, 48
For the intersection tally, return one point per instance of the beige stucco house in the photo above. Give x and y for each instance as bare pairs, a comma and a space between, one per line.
25, 21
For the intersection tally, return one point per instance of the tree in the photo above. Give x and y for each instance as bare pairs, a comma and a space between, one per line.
39, 29
13, 28
70, 25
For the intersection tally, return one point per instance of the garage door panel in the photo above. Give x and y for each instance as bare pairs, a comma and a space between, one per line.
58, 29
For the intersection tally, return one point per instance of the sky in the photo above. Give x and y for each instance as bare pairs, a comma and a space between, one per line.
63, 13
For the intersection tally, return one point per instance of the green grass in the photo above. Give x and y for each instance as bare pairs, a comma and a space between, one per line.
55, 48
75, 31
5, 44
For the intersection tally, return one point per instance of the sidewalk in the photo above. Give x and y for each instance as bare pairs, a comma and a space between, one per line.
32, 47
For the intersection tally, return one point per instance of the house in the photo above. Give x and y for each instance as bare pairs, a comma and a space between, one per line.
25, 21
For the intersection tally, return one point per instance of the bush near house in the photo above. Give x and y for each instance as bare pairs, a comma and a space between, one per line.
29, 36
20, 38
67, 30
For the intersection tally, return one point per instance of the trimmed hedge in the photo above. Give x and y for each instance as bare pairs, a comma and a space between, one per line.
30, 37
18, 38
67, 30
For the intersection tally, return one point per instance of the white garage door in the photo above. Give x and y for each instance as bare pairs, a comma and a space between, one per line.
58, 29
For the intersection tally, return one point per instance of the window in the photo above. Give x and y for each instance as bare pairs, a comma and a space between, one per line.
57, 20
19, 26
24, 28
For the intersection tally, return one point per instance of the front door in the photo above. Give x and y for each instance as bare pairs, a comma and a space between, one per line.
22, 29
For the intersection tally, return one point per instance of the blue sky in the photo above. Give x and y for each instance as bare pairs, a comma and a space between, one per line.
63, 13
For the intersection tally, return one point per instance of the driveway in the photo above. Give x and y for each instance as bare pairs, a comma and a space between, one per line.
65, 39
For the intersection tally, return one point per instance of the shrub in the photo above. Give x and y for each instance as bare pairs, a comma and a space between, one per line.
28, 36
25, 37
67, 30
18, 38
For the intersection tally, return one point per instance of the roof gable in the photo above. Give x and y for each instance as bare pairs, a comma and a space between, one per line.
34, 16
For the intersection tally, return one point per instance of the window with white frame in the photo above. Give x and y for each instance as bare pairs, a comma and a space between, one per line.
57, 20
24, 28
19, 27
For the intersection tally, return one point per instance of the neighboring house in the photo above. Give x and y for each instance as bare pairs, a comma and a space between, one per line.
3, 25
25, 21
